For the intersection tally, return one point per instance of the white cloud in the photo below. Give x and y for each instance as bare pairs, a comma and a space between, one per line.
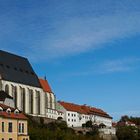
109, 66
78, 35
119, 65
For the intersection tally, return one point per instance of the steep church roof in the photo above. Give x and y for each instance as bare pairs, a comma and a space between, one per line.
4, 95
45, 85
17, 69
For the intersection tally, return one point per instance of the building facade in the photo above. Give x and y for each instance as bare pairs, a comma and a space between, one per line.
77, 115
14, 125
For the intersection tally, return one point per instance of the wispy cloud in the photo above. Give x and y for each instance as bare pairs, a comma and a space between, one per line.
110, 66
78, 35
119, 65
55, 30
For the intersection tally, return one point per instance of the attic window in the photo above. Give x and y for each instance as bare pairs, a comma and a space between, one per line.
1, 109
1, 65
8, 111
32, 73
21, 70
26, 71
7, 66
16, 112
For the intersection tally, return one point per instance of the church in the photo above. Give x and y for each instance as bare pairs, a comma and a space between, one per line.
31, 94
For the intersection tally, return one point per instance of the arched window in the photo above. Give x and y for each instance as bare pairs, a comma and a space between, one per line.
7, 89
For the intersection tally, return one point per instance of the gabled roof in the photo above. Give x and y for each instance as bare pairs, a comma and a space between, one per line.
45, 85
17, 69
12, 115
4, 95
83, 109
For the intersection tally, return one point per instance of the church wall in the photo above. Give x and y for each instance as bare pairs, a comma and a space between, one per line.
27, 94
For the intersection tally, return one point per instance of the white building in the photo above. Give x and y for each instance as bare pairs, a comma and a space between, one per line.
18, 79
76, 115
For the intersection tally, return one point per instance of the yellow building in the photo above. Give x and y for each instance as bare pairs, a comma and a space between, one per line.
13, 124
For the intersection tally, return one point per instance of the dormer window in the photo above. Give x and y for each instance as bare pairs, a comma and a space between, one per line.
16, 112
8, 111
1, 109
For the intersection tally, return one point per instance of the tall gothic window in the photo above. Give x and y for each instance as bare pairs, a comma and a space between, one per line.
46, 100
22, 92
51, 102
30, 101
7, 89
38, 102
14, 94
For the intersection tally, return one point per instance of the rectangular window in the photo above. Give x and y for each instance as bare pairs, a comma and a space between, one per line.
2, 126
22, 127
68, 114
10, 139
10, 127
19, 127
2, 138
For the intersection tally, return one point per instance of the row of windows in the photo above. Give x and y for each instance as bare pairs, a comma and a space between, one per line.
12, 139
17, 69
73, 115
10, 127
73, 120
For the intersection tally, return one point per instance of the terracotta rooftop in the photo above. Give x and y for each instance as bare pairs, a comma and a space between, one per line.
83, 109
12, 115
45, 85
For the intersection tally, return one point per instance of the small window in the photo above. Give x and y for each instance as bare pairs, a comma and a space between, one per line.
7, 66
68, 114
10, 127
15, 68
8, 111
2, 138
22, 127
2, 126
21, 70
10, 139
26, 138
19, 127
23, 138
1, 65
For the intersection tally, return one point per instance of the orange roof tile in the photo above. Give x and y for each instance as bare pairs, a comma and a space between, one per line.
12, 115
45, 85
83, 109
73, 107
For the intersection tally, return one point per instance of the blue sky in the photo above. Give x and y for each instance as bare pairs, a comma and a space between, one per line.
88, 50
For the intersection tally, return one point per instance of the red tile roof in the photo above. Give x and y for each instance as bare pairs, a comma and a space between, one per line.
45, 85
12, 115
73, 107
83, 109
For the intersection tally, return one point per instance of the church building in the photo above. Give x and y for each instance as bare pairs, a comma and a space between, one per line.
31, 95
